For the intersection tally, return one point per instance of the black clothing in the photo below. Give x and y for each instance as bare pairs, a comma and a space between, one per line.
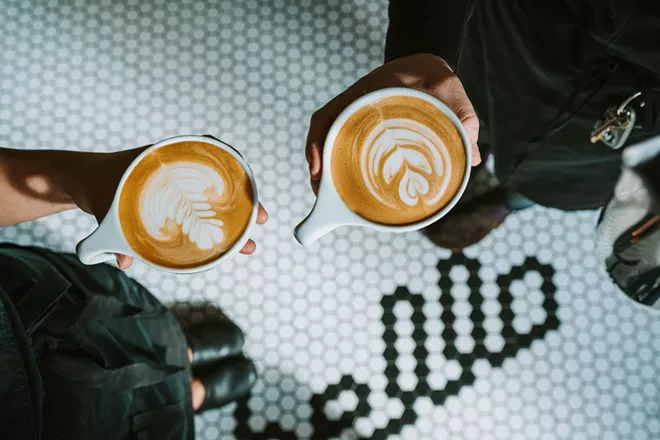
90, 351
540, 74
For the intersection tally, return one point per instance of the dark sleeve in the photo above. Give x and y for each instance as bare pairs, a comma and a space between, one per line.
427, 26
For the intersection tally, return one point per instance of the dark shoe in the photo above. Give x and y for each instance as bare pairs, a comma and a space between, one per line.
226, 381
213, 341
469, 223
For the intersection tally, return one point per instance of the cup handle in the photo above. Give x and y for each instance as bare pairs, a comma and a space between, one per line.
102, 244
328, 213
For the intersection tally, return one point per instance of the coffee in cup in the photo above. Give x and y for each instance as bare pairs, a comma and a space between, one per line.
183, 205
394, 160
398, 160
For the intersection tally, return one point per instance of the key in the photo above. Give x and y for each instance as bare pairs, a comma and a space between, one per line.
607, 130
617, 124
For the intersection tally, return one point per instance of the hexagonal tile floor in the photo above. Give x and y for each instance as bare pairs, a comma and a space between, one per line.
365, 334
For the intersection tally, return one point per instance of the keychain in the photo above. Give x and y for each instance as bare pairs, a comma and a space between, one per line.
617, 124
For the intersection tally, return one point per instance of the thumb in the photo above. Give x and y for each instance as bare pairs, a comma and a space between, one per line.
471, 125
124, 261
453, 94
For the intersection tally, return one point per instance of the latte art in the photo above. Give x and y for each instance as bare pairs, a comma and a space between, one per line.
181, 192
185, 204
398, 160
408, 154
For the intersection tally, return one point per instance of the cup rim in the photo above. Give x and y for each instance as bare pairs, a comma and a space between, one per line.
327, 182
238, 244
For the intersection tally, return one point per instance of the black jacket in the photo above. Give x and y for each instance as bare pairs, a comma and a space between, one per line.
540, 74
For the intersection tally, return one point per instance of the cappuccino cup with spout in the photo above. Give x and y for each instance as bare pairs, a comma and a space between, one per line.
395, 160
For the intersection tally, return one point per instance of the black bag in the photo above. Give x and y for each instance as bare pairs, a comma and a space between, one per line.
112, 361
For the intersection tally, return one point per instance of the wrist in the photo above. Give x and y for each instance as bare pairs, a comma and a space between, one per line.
74, 174
93, 179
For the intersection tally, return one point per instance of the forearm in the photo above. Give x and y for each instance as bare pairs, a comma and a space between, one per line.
427, 26
37, 183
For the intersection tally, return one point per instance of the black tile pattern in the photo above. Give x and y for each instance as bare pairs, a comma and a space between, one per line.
324, 428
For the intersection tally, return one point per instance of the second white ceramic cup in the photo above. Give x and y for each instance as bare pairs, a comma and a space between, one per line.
330, 211
108, 238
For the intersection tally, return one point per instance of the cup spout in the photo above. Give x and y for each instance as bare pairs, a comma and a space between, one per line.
318, 223
329, 213
103, 243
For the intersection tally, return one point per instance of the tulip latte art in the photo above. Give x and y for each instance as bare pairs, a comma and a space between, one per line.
398, 160
185, 204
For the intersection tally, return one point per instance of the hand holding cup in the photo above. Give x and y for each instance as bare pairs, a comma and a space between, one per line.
423, 72
391, 158
186, 225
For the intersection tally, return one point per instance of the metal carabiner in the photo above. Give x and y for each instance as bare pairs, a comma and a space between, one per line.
617, 123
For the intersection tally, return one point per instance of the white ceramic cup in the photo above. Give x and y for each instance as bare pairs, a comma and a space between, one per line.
330, 211
108, 238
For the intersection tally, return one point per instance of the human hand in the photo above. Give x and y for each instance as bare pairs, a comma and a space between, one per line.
97, 183
424, 72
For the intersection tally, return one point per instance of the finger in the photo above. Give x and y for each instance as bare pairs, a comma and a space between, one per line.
315, 186
470, 122
124, 261
262, 215
249, 247
198, 393
476, 155
319, 126
315, 161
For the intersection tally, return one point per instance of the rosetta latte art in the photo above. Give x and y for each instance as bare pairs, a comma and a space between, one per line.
185, 204
398, 160
406, 154
179, 192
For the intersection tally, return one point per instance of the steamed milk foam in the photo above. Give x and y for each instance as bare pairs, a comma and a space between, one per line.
398, 160
185, 204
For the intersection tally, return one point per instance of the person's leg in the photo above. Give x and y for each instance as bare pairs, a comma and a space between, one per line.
470, 222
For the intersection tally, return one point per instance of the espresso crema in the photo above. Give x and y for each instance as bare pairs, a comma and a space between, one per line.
398, 160
185, 204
